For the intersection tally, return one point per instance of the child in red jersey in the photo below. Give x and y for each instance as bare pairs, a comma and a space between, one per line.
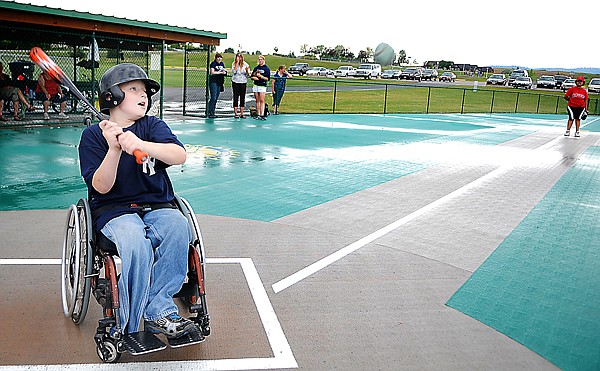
577, 97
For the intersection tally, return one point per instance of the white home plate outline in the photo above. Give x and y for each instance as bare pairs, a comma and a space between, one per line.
283, 356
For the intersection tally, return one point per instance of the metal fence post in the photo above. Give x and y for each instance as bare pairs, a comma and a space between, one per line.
334, 94
517, 103
428, 98
492, 105
185, 77
206, 96
385, 99
462, 106
162, 76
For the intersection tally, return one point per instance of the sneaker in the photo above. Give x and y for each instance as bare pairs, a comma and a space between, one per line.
567, 133
172, 326
46, 117
62, 115
576, 134
263, 118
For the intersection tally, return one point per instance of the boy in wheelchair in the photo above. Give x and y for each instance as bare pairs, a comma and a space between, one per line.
132, 205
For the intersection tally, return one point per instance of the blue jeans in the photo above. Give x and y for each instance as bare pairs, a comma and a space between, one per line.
277, 95
154, 255
215, 91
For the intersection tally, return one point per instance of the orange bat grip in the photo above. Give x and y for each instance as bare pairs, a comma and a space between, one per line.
140, 156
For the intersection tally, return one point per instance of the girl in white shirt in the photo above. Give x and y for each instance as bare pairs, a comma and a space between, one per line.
239, 79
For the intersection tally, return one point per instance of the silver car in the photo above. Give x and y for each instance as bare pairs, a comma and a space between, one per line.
594, 85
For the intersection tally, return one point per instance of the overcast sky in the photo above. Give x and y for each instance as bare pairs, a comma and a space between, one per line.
526, 33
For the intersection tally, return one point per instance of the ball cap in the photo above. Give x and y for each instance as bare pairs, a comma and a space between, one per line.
580, 78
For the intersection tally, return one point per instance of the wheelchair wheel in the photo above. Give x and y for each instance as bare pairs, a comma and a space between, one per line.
76, 264
107, 352
187, 210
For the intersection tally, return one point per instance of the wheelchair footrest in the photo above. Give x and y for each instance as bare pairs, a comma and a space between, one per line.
192, 337
142, 342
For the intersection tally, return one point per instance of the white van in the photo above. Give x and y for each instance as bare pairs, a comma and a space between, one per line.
368, 71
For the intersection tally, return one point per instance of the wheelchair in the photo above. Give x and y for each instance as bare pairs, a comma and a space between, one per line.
88, 268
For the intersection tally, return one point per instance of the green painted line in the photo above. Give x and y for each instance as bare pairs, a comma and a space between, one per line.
541, 286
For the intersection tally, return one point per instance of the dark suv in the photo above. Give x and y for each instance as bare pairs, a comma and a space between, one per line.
412, 73
299, 69
430, 74
559, 80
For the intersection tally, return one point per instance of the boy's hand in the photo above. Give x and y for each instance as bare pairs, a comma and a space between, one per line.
130, 142
111, 131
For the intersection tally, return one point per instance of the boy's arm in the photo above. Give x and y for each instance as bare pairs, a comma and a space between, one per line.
104, 177
169, 153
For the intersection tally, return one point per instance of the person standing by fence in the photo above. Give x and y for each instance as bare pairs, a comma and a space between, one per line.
260, 75
577, 97
278, 86
215, 83
240, 71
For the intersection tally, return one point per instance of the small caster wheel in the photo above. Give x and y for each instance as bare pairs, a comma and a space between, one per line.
206, 330
87, 121
107, 352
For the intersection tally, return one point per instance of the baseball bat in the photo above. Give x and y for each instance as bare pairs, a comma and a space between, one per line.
39, 57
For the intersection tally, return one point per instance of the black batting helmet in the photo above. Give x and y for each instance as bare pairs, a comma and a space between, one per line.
110, 93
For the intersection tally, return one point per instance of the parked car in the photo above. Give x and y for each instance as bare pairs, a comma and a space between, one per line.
299, 69
522, 82
448, 77
368, 70
517, 73
594, 85
545, 81
559, 80
412, 73
390, 74
567, 84
496, 79
345, 71
430, 74
317, 71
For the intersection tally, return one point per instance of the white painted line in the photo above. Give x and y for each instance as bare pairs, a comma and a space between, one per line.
330, 259
283, 356
30, 261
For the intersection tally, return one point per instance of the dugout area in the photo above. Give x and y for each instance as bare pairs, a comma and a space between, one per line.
84, 45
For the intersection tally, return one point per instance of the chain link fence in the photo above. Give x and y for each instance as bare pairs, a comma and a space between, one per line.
83, 58
330, 95
308, 95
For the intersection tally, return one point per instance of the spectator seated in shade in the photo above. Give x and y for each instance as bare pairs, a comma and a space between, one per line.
8, 92
47, 90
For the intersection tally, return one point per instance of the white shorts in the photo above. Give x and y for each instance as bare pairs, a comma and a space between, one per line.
259, 89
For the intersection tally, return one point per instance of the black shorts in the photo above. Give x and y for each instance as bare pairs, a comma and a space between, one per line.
575, 112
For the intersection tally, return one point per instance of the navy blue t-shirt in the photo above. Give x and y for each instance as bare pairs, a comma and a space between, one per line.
220, 78
132, 185
265, 71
